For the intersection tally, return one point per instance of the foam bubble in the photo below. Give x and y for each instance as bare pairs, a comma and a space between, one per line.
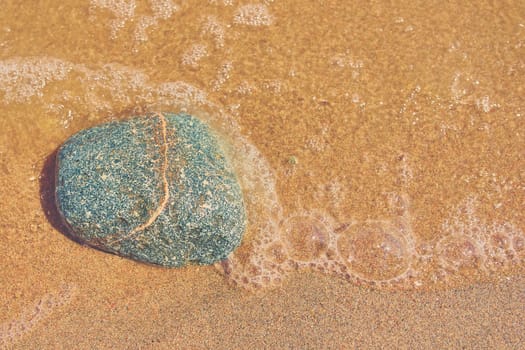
307, 237
277, 252
518, 245
374, 250
259, 261
500, 245
471, 243
459, 253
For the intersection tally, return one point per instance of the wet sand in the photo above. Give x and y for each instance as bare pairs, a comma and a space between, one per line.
380, 148
307, 312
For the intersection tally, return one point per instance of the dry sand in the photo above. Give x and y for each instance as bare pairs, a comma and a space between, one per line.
406, 116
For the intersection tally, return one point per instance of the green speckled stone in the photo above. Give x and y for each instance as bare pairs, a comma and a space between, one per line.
157, 189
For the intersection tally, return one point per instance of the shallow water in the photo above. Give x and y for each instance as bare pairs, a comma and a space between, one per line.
378, 144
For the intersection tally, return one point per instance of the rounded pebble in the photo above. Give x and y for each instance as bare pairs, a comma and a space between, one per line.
155, 188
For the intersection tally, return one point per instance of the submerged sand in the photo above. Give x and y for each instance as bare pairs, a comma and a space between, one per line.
380, 148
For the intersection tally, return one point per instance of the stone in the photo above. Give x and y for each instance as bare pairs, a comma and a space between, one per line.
157, 189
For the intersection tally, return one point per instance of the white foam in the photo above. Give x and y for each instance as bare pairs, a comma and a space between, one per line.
125, 11
472, 242
223, 2
223, 74
24, 77
485, 105
343, 60
122, 10
162, 10
245, 88
457, 90
180, 93
12, 330
143, 23
214, 28
194, 55
253, 15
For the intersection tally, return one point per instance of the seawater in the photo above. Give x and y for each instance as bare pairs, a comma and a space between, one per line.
341, 164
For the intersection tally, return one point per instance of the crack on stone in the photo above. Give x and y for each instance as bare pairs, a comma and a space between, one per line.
163, 170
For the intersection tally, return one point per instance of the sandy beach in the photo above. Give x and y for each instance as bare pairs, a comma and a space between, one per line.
380, 148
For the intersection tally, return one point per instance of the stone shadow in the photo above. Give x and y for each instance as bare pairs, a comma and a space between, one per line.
47, 197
